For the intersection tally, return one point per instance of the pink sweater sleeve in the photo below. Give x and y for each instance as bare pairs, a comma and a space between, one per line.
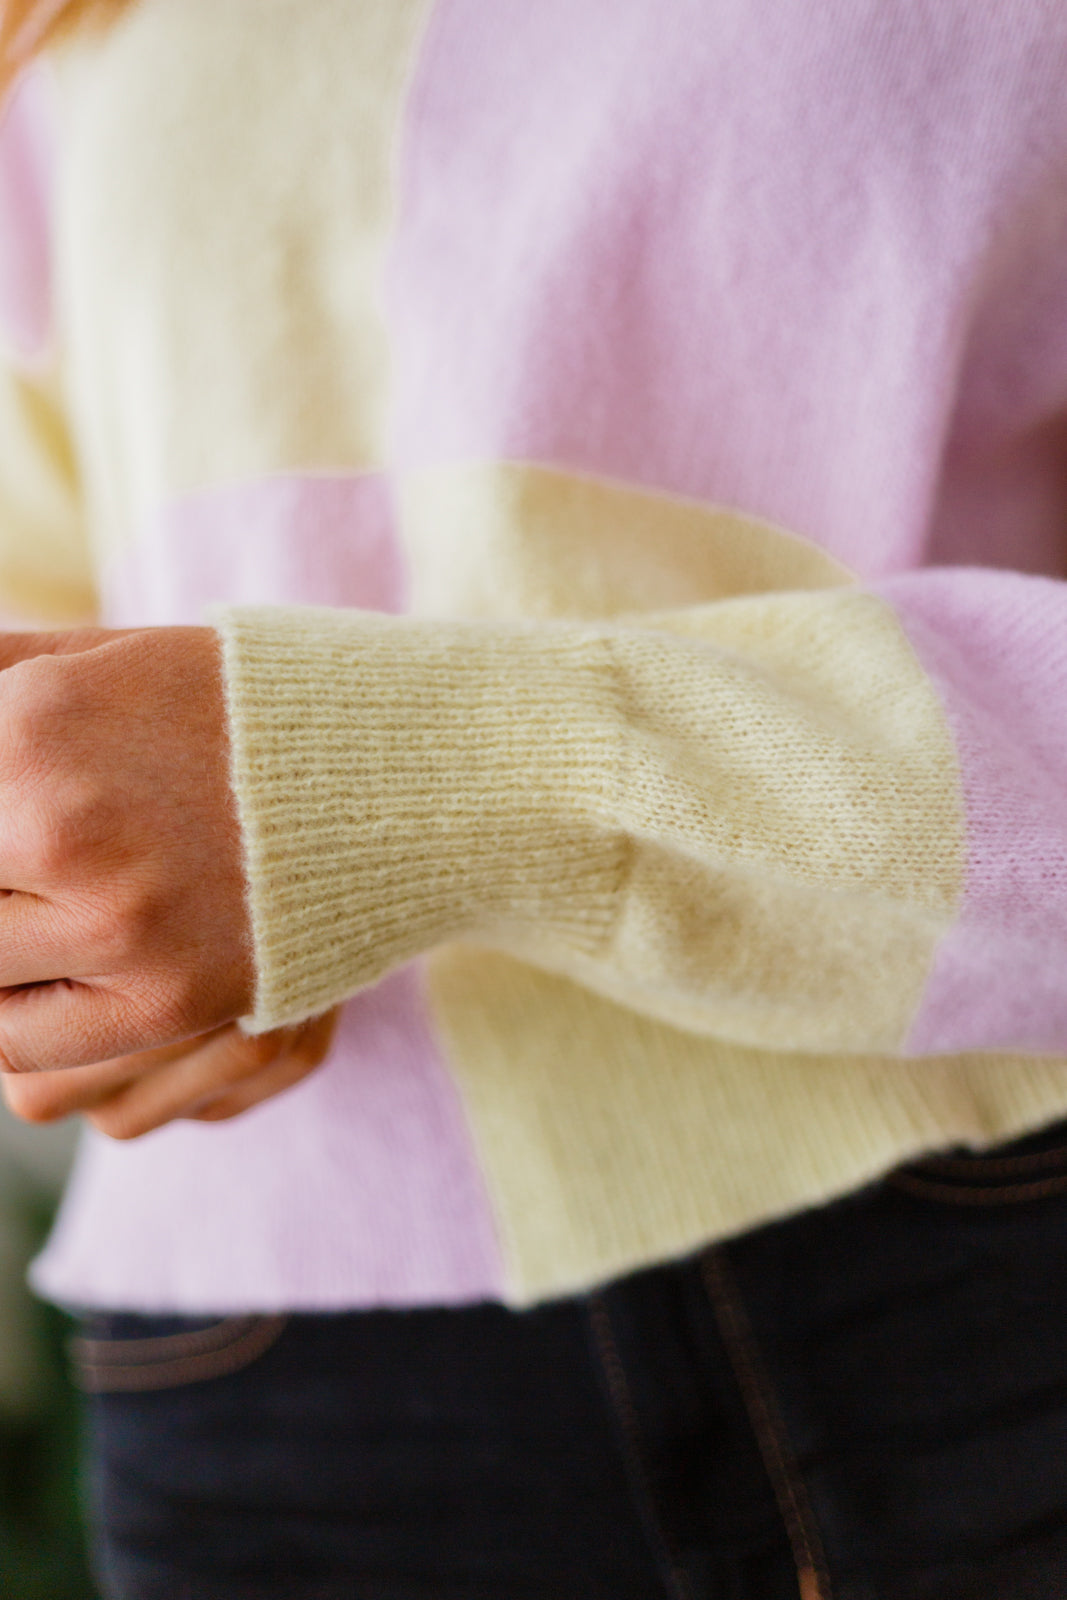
995, 647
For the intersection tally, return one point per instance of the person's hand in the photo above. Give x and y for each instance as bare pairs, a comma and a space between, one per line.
207, 1080
123, 923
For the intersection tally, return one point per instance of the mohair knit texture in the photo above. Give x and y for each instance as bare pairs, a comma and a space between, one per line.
621, 449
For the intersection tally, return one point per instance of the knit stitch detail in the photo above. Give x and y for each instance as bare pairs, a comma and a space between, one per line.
401, 785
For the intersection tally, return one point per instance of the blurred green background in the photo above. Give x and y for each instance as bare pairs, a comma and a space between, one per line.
42, 1554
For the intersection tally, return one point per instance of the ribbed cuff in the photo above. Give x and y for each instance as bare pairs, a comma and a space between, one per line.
403, 782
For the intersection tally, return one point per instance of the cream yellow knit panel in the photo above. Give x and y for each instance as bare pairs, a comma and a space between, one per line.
791, 794
236, 330
744, 819
610, 1141
511, 539
45, 571
795, 819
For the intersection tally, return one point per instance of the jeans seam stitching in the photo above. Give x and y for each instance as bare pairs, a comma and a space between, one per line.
768, 1427
977, 1164
626, 1413
976, 1194
251, 1340
162, 1347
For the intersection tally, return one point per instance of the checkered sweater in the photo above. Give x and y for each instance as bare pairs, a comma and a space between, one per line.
623, 450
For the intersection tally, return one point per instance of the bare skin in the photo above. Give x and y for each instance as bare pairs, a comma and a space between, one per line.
204, 1080
125, 948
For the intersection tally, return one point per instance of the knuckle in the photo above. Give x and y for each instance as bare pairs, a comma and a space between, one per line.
25, 702
310, 1051
52, 832
35, 709
37, 844
174, 1000
49, 847
241, 1056
15, 1065
117, 1122
260, 1049
316, 1039
155, 1012
33, 1100
111, 927
222, 1110
142, 913
43, 683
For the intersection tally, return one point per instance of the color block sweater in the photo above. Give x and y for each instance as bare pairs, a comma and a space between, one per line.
623, 447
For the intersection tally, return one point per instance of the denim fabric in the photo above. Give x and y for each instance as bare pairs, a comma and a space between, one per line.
866, 1402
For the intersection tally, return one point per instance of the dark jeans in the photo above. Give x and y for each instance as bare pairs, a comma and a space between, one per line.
866, 1402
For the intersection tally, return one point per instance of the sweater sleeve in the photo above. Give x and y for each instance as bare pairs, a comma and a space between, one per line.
820, 821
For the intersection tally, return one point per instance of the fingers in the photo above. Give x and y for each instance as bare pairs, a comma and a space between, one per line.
135, 1093
214, 1077
183, 1087
72, 1024
229, 1074
307, 1051
33, 946
50, 1096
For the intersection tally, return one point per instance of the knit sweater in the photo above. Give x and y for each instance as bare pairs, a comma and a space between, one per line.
622, 448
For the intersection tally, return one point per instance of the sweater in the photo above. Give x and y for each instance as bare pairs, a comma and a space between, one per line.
622, 449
